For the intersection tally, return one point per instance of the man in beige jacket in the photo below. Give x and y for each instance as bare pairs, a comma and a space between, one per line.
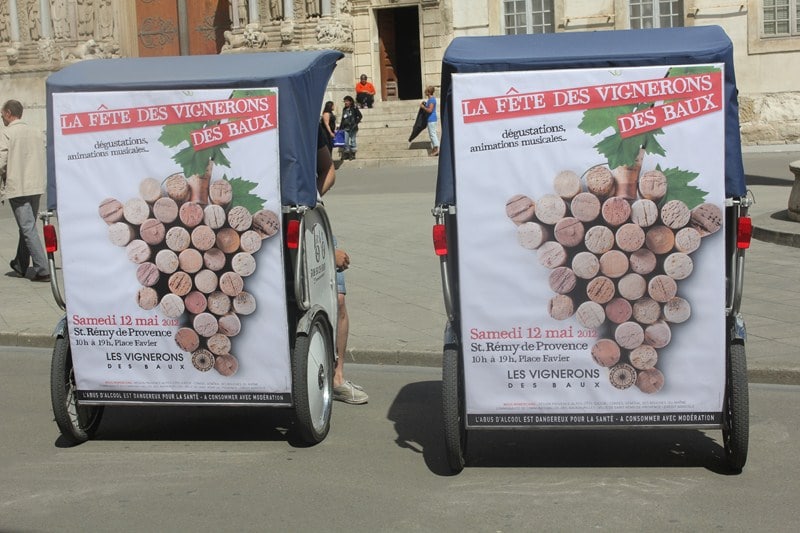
22, 180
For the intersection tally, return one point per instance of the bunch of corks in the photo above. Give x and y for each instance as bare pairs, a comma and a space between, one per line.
192, 253
615, 252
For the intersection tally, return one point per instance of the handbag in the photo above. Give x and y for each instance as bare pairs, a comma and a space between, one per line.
338, 138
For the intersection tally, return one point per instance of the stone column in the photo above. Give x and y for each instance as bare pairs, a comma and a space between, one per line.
44, 17
254, 15
234, 14
13, 20
326, 8
794, 195
288, 9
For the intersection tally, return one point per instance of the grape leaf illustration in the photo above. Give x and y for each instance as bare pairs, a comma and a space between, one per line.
243, 196
679, 187
619, 151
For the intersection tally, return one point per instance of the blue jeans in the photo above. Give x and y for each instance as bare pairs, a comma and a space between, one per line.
349, 141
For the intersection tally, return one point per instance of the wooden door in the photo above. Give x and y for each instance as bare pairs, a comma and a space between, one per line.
387, 51
161, 30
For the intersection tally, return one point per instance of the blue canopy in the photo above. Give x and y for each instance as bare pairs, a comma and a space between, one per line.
301, 79
601, 49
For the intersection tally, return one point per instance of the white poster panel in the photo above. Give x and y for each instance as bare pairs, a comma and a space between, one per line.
591, 248
169, 219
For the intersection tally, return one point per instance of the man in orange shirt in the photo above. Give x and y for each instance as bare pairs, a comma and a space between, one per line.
365, 92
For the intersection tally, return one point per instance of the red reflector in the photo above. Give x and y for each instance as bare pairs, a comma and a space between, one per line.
293, 234
439, 239
50, 239
744, 233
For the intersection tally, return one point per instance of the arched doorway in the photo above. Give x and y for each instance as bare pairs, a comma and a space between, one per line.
398, 35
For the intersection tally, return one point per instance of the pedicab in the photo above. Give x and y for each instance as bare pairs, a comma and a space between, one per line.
591, 223
198, 266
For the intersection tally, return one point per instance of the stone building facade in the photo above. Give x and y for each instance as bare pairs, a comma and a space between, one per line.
397, 43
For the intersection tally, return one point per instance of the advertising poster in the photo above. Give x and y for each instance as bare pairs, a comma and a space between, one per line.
591, 246
170, 232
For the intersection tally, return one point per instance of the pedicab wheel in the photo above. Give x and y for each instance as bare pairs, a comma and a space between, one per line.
453, 409
77, 423
736, 413
312, 381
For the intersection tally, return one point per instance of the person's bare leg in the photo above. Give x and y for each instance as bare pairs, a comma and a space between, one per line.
342, 330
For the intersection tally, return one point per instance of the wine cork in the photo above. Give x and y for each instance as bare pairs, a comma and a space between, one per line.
121, 233
659, 239
206, 281
662, 288
266, 223
657, 334
147, 274
585, 207
177, 188
214, 259
167, 261
244, 303
567, 184
230, 325
177, 239
622, 376
219, 303
227, 240
632, 286
675, 214
678, 265
520, 209
218, 344
152, 231
239, 218
172, 305
530, 235
195, 302
190, 260
569, 231
551, 254
180, 283
613, 264
136, 211
600, 181
150, 190
203, 360
606, 352
585, 265
111, 210
644, 213
643, 261
644, 357
226, 364
220, 192
627, 177
231, 283
250, 241
138, 251
187, 339
653, 185
562, 280
629, 237
561, 307
629, 335
203, 237
205, 324
618, 310
706, 219
165, 210
590, 314
600, 290
243, 264
214, 216
599, 239
550, 209
191, 214
687, 240
198, 185
146, 298
677, 310
616, 211
650, 381
646, 310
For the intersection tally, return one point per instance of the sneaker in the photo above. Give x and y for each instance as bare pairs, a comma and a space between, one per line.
16, 268
42, 277
349, 392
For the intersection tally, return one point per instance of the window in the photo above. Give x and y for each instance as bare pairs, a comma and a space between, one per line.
528, 16
781, 18
656, 14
